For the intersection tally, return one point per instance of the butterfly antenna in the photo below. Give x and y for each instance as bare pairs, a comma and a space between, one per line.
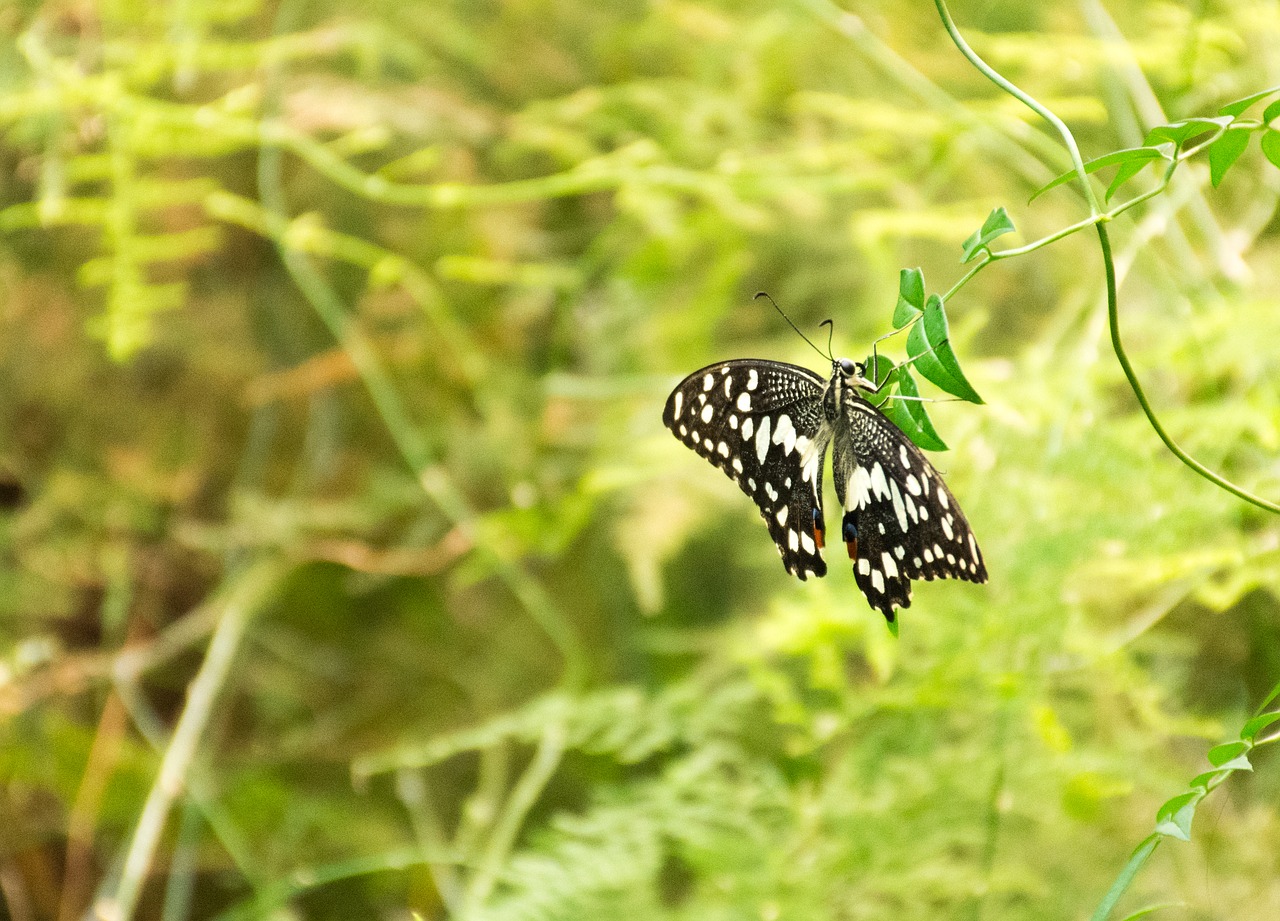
796, 328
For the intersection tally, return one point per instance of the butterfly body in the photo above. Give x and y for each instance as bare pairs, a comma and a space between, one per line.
768, 426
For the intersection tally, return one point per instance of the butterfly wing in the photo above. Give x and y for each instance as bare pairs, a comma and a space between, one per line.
900, 521
759, 421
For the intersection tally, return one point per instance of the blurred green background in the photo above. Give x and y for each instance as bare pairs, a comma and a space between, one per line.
341, 332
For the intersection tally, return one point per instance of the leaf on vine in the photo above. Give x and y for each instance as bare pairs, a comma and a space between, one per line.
910, 297
1271, 112
996, 225
1173, 819
1238, 106
925, 435
1141, 155
1126, 172
1232, 756
1225, 151
1179, 131
1271, 146
929, 344
1257, 724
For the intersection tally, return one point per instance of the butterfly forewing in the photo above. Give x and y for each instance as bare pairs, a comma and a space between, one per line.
757, 421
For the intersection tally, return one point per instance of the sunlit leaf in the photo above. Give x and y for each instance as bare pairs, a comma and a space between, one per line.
1257, 724
1231, 756
1226, 151
1131, 154
1239, 105
996, 225
1179, 131
1271, 146
1173, 819
1126, 172
925, 435
910, 297
1143, 912
1271, 113
929, 344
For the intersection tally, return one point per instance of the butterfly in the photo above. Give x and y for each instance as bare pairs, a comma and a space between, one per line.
768, 424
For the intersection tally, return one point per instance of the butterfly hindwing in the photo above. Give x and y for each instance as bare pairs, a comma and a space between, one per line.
905, 521
758, 421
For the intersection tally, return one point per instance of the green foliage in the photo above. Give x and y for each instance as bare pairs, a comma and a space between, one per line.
390, 299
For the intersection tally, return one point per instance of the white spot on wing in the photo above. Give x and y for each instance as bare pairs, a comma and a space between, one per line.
784, 433
877, 580
707, 412
722, 449
762, 439
744, 402
679, 405
737, 464
942, 498
708, 382
878, 484
782, 514
793, 541
728, 386
898, 508
890, 567
902, 456
928, 555
807, 542
733, 420
752, 379
946, 527
864, 565
913, 485
973, 547
747, 428
859, 489
900, 552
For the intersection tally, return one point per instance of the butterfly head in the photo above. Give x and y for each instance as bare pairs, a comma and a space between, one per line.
854, 372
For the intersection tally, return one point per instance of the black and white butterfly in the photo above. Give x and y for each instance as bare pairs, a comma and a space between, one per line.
768, 425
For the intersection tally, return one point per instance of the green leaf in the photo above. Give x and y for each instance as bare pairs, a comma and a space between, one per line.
910, 297
1173, 819
929, 343
1235, 108
925, 435
1257, 724
907, 415
1231, 756
1225, 151
996, 225
1143, 912
1126, 172
1202, 780
1271, 112
1271, 146
1142, 154
1177, 132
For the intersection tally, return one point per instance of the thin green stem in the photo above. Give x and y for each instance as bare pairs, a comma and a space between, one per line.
1068, 139
247, 596
1113, 321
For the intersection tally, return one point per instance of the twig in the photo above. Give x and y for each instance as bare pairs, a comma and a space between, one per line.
245, 597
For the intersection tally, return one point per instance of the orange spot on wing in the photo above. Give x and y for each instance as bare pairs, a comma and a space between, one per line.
853, 548
819, 537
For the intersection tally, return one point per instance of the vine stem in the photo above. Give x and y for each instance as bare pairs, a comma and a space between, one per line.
1099, 219
1113, 321
1068, 139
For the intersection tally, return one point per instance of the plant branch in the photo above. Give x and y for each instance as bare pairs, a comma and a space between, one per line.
248, 594
1068, 139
